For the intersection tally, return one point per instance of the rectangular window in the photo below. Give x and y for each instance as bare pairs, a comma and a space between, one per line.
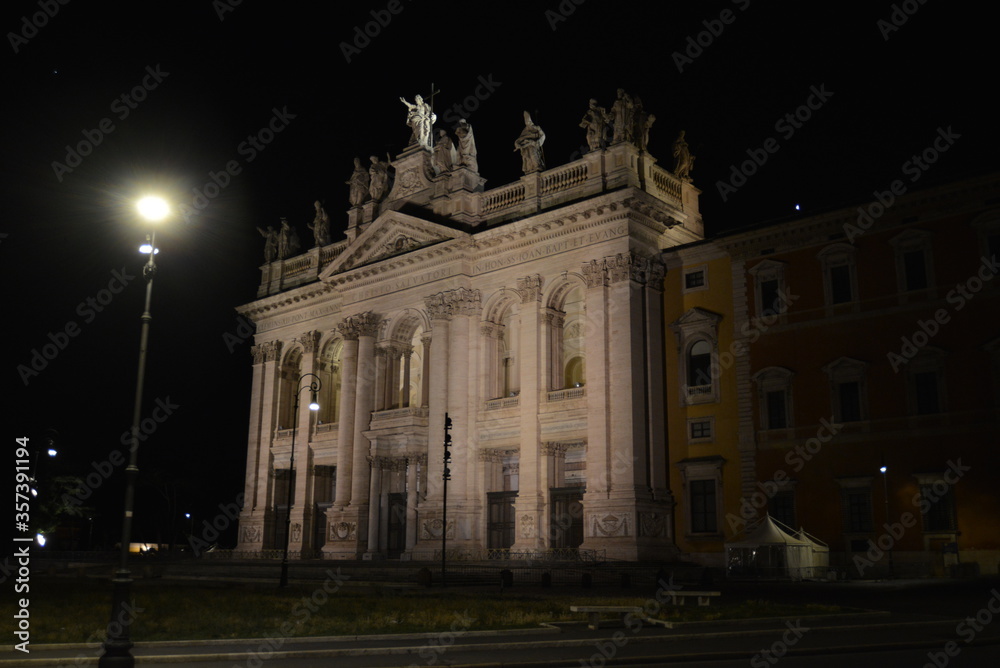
695, 279
782, 508
940, 507
840, 284
701, 429
926, 389
915, 268
777, 413
703, 506
857, 511
849, 395
769, 301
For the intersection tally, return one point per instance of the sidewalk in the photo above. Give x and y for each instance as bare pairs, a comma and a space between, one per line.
562, 645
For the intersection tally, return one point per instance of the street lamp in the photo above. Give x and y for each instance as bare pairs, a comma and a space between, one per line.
118, 644
885, 488
314, 387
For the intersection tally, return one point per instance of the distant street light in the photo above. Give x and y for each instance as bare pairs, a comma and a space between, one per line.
885, 488
118, 644
314, 387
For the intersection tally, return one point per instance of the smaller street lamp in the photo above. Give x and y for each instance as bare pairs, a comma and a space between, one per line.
314, 387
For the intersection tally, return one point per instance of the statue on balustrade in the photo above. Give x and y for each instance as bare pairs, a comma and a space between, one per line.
529, 143
595, 121
270, 243
379, 172
359, 184
685, 161
320, 226
421, 119
288, 240
642, 120
444, 153
621, 118
466, 146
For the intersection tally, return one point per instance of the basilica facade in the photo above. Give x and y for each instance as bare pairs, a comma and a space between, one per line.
531, 314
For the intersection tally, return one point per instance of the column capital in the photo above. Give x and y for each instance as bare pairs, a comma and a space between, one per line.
446, 305
310, 341
271, 350
362, 324
530, 288
258, 354
594, 273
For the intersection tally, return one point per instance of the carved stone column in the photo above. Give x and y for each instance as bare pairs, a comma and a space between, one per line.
375, 494
348, 398
532, 498
257, 516
367, 326
302, 506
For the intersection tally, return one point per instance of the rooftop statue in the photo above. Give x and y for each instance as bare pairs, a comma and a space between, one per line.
466, 146
596, 123
642, 120
445, 156
420, 119
288, 240
320, 226
379, 186
270, 243
685, 161
529, 143
621, 117
359, 184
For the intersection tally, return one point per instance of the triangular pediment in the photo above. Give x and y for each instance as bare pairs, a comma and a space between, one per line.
390, 235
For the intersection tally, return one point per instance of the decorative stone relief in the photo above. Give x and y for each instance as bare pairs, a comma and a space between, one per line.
258, 354
310, 341
251, 534
554, 448
527, 526
619, 267
652, 525
296, 532
344, 531
611, 525
272, 350
431, 529
363, 324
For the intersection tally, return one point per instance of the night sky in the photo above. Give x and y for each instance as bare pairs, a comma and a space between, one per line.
161, 96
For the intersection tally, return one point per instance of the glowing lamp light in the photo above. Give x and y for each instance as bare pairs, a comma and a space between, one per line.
883, 469
52, 452
153, 208
145, 249
34, 492
41, 539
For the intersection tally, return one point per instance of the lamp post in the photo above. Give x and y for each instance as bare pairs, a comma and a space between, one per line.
314, 387
885, 487
118, 644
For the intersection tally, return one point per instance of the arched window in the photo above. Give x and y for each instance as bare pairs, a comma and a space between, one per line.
329, 374
699, 364
575, 372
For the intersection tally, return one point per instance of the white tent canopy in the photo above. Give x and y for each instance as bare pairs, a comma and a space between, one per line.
771, 550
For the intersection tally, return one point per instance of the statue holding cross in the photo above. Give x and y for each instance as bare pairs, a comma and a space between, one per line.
421, 119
